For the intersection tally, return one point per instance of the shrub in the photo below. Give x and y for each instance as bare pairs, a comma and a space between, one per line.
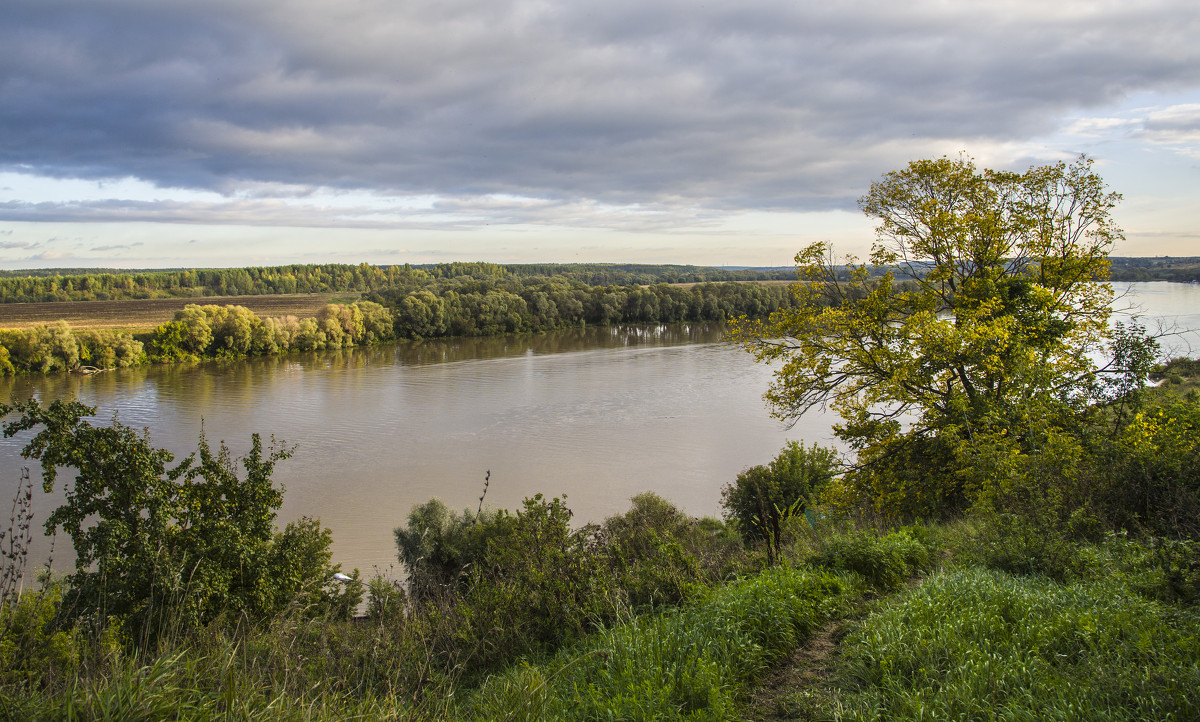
439, 547
763, 496
541, 584
1166, 570
1150, 473
646, 548
386, 599
158, 545
1019, 544
885, 562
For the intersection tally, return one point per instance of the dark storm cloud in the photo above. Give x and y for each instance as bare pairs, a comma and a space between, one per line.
729, 104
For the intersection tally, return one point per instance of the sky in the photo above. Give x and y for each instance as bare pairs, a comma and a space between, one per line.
156, 133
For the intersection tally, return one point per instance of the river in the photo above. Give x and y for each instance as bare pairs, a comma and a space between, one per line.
598, 414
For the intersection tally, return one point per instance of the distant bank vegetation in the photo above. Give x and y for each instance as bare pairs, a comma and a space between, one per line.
92, 284
407, 302
449, 300
1166, 268
113, 284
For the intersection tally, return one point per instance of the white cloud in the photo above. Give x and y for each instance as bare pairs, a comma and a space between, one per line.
1176, 127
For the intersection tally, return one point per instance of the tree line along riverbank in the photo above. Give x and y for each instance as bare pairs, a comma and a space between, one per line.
94, 284
485, 301
47, 285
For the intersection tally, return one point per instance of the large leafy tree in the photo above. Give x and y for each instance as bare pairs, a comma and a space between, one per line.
984, 297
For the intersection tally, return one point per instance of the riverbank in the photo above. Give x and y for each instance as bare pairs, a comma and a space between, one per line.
459, 306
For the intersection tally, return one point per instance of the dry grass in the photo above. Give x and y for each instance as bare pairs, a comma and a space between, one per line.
144, 315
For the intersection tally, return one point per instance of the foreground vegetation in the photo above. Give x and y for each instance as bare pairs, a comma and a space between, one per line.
509, 640
980, 644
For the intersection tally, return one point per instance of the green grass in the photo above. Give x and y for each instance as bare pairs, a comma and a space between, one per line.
693, 664
1120, 642
980, 644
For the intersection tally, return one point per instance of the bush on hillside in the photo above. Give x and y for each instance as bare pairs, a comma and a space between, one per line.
885, 562
763, 497
439, 547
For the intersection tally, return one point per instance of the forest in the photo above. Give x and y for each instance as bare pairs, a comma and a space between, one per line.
98, 284
113, 284
1183, 269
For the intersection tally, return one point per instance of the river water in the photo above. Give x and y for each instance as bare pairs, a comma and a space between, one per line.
598, 414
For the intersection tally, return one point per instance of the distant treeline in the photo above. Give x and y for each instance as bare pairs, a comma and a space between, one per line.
469, 306
461, 306
1180, 270
82, 284
103, 284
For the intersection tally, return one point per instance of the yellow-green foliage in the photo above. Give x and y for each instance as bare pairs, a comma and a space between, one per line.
235, 331
1151, 471
196, 332
992, 298
46, 349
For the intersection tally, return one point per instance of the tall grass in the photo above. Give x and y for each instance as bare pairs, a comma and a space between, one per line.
980, 644
691, 664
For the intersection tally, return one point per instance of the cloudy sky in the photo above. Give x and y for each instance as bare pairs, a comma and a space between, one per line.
149, 133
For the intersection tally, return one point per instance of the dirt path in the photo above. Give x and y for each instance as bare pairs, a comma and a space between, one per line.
797, 688
791, 690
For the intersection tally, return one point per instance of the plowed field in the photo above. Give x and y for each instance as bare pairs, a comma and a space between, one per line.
144, 315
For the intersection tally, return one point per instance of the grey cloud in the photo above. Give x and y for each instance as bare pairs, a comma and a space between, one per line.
730, 104
1179, 124
117, 247
45, 256
452, 213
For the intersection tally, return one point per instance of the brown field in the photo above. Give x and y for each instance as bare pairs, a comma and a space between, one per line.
144, 315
